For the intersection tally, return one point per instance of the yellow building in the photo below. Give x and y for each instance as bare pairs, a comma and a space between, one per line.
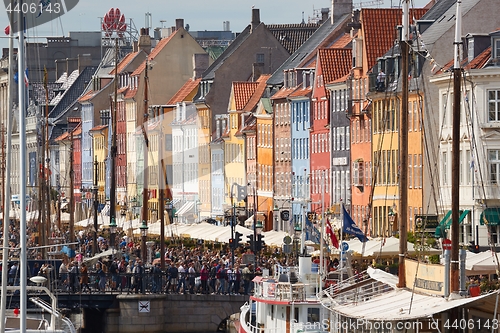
385, 138
100, 149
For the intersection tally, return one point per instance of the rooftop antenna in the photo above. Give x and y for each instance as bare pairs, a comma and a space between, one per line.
303, 22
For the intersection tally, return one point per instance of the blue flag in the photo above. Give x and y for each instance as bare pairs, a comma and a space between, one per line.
351, 228
312, 234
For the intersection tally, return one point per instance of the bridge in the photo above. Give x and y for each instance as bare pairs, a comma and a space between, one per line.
149, 312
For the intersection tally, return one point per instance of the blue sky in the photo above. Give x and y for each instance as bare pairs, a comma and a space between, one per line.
199, 14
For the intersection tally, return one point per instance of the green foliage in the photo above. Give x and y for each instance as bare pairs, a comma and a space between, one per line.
434, 259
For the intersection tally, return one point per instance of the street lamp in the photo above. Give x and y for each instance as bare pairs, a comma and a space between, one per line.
144, 235
276, 213
392, 219
112, 230
297, 231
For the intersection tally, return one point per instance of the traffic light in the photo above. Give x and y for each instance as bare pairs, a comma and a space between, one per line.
259, 244
473, 247
250, 241
232, 243
237, 238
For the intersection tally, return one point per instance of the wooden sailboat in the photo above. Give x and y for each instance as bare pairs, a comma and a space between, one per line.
411, 302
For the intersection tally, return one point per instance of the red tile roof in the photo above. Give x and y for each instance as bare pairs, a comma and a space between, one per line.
130, 93
335, 63
124, 62
185, 90
122, 90
99, 127
87, 96
242, 92
481, 60
255, 98
282, 93
161, 44
342, 41
379, 30
76, 131
300, 92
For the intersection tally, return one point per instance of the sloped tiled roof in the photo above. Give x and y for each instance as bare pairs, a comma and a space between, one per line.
292, 36
66, 135
185, 90
343, 41
336, 63
209, 73
254, 99
283, 93
87, 96
124, 62
73, 92
317, 39
161, 44
300, 92
379, 29
477, 63
130, 94
98, 128
242, 92
444, 16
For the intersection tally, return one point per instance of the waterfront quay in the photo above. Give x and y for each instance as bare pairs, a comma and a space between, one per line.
123, 310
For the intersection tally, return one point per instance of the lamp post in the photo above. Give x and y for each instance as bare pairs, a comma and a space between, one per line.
276, 213
144, 235
112, 231
392, 219
297, 231
257, 230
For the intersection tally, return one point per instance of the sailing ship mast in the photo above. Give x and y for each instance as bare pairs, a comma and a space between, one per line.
22, 172
403, 146
455, 162
8, 162
145, 195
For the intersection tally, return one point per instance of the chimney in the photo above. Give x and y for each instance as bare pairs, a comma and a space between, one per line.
324, 14
145, 40
200, 64
339, 9
217, 128
71, 65
257, 70
179, 23
255, 18
84, 60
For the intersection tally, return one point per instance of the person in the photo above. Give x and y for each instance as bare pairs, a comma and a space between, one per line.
381, 81
63, 276
204, 273
113, 270
173, 273
73, 276
247, 278
237, 279
231, 278
156, 287
102, 277
138, 272
122, 269
222, 277
192, 277
182, 278
213, 277
84, 277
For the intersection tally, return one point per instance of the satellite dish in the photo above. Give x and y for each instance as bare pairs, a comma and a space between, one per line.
38, 279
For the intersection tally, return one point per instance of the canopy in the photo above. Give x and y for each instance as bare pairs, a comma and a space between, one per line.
210, 232
394, 305
382, 247
481, 263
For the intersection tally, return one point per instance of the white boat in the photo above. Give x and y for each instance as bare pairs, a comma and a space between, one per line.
285, 302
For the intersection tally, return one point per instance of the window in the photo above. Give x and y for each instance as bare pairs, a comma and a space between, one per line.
445, 169
260, 58
494, 163
494, 105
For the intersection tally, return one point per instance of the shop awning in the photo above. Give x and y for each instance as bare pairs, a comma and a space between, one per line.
490, 216
446, 222
185, 208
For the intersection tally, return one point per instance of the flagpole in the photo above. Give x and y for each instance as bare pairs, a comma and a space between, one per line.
321, 245
341, 264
